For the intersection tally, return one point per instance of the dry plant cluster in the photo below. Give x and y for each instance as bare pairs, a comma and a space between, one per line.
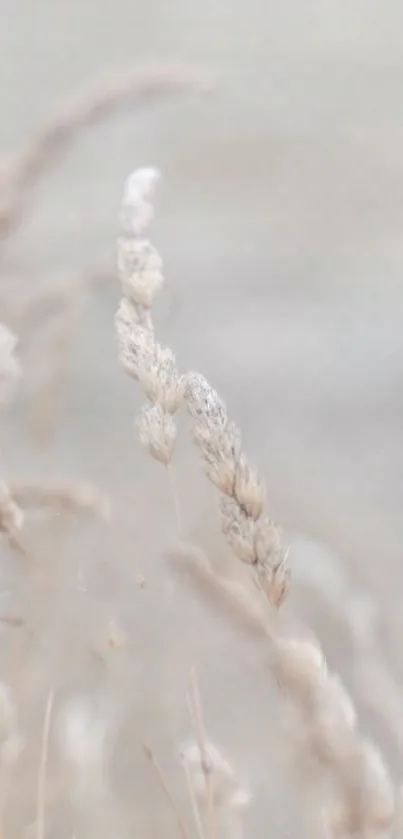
352, 789
357, 795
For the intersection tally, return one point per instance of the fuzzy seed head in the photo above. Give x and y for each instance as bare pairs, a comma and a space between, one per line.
334, 720
204, 403
218, 439
377, 790
268, 544
301, 666
335, 704
140, 185
159, 377
140, 271
220, 449
137, 211
274, 580
238, 529
248, 489
136, 342
145, 360
156, 431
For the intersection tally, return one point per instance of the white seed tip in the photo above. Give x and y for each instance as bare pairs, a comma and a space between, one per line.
140, 184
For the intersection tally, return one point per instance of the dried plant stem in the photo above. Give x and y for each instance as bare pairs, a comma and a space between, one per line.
356, 612
134, 85
326, 710
148, 753
249, 609
48, 317
216, 795
196, 714
193, 801
153, 366
176, 502
41, 792
363, 795
70, 497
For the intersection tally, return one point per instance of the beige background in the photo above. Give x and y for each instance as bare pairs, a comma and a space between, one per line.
279, 220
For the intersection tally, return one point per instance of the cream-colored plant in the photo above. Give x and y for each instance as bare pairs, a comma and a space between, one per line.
46, 311
359, 798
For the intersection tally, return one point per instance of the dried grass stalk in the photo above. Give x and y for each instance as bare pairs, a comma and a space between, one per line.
50, 321
364, 799
21, 173
365, 793
70, 497
217, 796
251, 535
47, 315
149, 755
41, 791
153, 366
356, 612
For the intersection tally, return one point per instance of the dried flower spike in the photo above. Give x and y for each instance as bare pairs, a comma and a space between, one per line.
157, 432
252, 537
143, 358
364, 792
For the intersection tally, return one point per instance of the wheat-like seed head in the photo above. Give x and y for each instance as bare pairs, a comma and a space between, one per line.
251, 535
156, 431
143, 358
140, 271
364, 799
22, 171
330, 722
74, 496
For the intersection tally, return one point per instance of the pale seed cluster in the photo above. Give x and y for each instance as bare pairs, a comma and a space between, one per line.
154, 366
364, 792
365, 795
251, 535
364, 801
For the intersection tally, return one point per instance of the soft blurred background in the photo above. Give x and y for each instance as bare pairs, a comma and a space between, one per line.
279, 220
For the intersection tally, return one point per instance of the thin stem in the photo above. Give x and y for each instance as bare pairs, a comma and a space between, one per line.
196, 713
40, 805
148, 753
3, 795
175, 498
193, 800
